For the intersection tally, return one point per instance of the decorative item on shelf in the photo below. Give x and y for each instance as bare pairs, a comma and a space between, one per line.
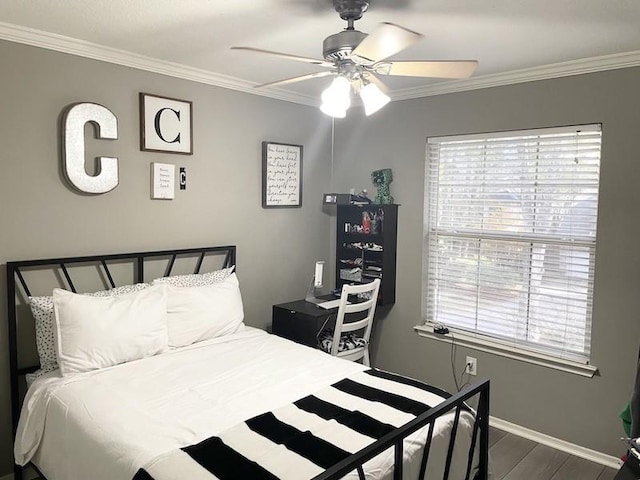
361, 198
336, 198
281, 175
366, 222
376, 223
351, 274
346, 198
166, 125
381, 179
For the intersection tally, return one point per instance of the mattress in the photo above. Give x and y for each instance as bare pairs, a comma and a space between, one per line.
110, 423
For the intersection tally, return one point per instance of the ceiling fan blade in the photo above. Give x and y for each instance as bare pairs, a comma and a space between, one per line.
312, 61
378, 83
386, 40
434, 69
300, 78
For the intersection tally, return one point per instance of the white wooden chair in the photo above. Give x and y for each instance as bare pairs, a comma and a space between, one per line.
370, 291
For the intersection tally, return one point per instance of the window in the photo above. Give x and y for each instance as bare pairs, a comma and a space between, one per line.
510, 237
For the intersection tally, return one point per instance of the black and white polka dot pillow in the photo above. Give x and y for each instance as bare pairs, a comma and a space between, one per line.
123, 290
42, 310
196, 279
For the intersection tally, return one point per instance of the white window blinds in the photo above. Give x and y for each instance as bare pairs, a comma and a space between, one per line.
510, 232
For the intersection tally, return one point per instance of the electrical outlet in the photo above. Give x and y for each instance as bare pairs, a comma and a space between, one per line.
471, 366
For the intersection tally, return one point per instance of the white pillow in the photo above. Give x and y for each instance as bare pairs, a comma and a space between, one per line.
98, 332
42, 311
200, 313
196, 279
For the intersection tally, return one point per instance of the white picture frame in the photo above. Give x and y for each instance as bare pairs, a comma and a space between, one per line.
163, 181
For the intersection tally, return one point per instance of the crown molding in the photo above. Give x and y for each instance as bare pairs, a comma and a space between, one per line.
73, 46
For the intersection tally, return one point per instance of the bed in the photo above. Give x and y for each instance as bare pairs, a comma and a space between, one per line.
237, 402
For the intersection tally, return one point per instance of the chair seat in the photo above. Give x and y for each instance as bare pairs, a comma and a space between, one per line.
348, 341
352, 319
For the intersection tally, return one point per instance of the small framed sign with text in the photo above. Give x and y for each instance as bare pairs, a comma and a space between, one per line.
166, 125
281, 175
163, 181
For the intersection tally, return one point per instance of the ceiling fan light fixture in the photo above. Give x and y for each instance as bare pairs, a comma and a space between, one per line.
336, 98
373, 98
332, 112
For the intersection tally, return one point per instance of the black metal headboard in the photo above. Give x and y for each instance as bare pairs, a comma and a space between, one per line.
17, 287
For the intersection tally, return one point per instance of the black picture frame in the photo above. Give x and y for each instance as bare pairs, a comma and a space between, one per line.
171, 114
281, 175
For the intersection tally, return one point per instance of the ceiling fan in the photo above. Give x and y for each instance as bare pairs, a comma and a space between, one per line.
356, 59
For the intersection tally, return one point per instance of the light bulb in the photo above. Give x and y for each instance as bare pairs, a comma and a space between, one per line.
336, 98
332, 112
373, 98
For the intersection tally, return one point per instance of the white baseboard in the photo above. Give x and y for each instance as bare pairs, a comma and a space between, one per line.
556, 443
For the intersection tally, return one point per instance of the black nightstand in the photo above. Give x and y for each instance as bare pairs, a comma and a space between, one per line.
301, 321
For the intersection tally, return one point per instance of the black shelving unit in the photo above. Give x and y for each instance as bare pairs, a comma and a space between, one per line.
366, 246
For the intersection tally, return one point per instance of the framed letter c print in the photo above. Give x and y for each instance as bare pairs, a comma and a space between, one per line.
166, 125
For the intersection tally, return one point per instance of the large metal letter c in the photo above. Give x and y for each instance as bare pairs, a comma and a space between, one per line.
73, 155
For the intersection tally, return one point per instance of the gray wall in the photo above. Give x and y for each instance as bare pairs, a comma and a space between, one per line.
40, 217
580, 410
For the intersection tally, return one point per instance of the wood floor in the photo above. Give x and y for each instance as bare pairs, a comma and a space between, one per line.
516, 458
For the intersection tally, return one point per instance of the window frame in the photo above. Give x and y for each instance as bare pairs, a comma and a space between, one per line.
485, 342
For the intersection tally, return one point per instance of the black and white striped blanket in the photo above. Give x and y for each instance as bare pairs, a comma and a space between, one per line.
304, 438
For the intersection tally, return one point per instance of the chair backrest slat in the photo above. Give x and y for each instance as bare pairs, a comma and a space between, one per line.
370, 291
356, 325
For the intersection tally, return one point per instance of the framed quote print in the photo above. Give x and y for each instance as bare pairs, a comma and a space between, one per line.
281, 175
166, 125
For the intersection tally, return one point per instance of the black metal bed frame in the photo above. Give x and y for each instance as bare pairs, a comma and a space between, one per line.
394, 439
15, 276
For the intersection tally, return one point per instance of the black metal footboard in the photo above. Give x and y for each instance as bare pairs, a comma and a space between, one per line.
395, 439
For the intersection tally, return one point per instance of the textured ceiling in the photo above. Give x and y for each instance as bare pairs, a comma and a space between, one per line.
503, 35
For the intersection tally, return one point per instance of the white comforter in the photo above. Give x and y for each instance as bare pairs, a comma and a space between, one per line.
106, 424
